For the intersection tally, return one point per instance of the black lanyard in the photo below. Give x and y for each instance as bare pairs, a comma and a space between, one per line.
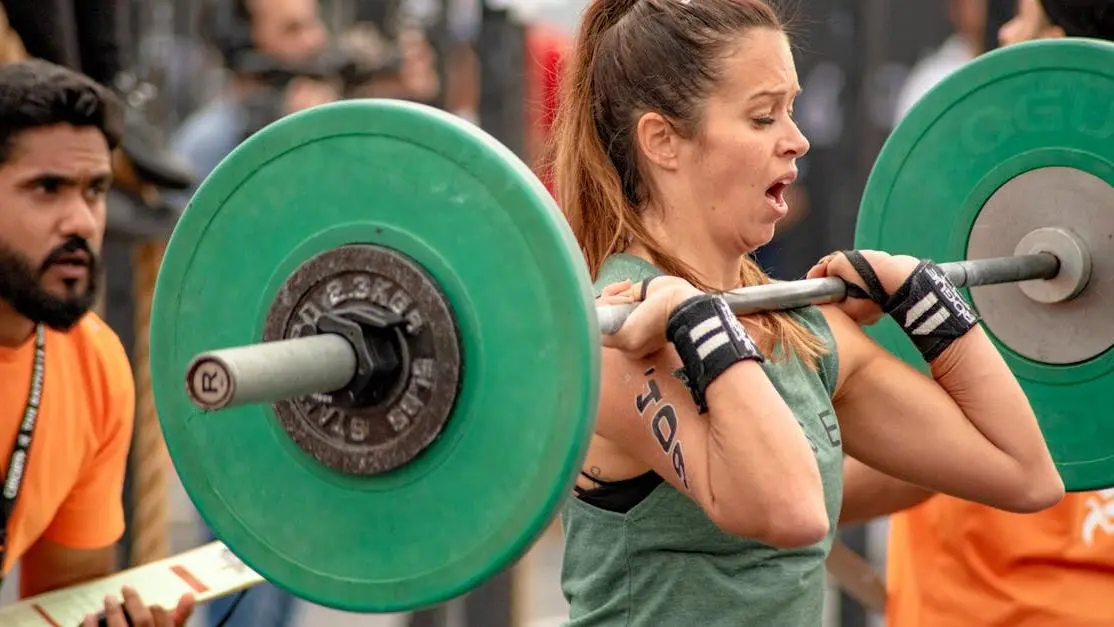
13, 479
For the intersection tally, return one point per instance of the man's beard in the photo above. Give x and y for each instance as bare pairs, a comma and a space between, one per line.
21, 286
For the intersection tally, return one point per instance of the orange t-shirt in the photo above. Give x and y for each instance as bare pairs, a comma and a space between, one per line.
957, 563
72, 491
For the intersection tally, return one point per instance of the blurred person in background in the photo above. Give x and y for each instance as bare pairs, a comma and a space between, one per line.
422, 30
274, 52
968, 19
387, 52
954, 562
86, 36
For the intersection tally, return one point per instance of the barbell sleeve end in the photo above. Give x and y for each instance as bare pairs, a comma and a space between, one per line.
210, 383
270, 371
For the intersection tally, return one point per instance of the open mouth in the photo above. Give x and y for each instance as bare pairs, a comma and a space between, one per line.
776, 192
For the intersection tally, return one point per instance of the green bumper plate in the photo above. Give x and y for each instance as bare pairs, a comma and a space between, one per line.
447, 195
1018, 109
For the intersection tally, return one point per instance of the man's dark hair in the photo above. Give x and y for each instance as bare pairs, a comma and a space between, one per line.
1082, 18
36, 93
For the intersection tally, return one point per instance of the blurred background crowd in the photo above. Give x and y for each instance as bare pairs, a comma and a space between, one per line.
201, 76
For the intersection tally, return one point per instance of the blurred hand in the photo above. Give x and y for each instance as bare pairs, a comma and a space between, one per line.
419, 75
304, 93
140, 614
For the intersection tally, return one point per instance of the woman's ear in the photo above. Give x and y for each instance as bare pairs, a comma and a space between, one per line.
657, 140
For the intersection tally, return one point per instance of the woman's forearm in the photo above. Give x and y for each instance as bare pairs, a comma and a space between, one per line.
978, 380
759, 460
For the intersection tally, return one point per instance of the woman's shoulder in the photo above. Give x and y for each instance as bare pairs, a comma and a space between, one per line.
621, 267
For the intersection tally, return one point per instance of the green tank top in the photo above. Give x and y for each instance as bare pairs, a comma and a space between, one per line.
664, 563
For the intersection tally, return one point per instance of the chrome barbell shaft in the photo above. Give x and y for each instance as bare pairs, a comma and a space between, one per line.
794, 294
273, 371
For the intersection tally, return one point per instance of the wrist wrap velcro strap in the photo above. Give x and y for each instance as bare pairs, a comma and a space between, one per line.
930, 310
709, 339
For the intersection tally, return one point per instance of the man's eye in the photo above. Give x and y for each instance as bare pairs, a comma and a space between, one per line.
50, 186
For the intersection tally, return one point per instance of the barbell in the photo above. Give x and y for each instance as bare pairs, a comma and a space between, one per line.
390, 343
347, 359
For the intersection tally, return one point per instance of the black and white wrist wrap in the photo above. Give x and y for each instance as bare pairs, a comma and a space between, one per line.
709, 340
930, 310
927, 306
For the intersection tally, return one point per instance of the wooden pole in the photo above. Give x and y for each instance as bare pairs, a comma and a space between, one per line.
150, 538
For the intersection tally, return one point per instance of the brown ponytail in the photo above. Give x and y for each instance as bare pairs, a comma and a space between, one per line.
587, 185
629, 59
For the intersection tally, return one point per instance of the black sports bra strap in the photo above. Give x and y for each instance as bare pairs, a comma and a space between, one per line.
595, 480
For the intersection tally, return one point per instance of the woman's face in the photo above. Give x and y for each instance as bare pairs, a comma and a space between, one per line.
743, 156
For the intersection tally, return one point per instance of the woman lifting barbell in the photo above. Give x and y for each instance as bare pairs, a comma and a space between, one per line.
713, 483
